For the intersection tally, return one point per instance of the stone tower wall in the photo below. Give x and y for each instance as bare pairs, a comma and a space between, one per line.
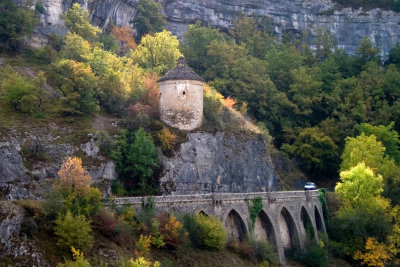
181, 103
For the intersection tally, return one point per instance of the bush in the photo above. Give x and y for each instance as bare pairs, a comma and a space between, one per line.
79, 260
139, 262
171, 229
73, 231
23, 95
264, 251
108, 225
143, 246
317, 256
205, 232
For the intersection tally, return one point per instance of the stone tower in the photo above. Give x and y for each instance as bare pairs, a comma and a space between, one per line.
181, 97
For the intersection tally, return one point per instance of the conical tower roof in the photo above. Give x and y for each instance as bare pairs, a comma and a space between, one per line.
181, 72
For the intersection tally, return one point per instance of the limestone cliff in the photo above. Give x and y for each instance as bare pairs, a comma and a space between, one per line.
349, 26
219, 162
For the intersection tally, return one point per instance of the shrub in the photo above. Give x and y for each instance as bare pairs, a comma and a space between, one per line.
171, 229
157, 239
22, 94
205, 231
127, 215
79, 260
143, 245
139, 262
73, 231
167, 139
315, 256
108, 224
264, 251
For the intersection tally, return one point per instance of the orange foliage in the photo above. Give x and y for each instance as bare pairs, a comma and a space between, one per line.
377, 254
125, 37
167, 139
153, 92
73, 174
171, 229
229, 102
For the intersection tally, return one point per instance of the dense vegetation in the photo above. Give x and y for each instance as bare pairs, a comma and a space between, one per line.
338, 114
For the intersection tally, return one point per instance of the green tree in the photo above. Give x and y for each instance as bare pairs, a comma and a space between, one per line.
141, 160
149, 18
394, 55
15, 24
325, 43
197, 39
364, 213
385, 134
77, 21
317, 151
157, 53
367, 149
25, 95
73, 231
77, 83
365, 53
75, 48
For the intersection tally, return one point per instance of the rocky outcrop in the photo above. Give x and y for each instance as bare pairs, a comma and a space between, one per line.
27, 172
13, 178
220, 162
17, 247
349, 26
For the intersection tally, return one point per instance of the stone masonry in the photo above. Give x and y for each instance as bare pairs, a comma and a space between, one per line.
282, 218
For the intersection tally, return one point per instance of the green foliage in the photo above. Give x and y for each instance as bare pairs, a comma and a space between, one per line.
79, 260
139, 262
385, 134
75, 47
77, 20
77, 83
157, 239
315, 256
141, 160
324, 203
73, 231
24, 95
205, 232
15, 24
254, 209
149, 18
197, 39
264, 251
317, 151
364, 212
157, 53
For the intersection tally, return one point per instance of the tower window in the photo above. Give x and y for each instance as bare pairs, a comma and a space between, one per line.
184, 93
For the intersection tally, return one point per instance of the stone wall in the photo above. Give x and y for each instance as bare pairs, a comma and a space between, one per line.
280, 220
181, 103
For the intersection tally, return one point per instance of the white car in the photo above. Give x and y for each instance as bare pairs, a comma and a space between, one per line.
310, 186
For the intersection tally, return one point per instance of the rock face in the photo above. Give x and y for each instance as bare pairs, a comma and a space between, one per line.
349, 26
13, 178
210, 163
27, 173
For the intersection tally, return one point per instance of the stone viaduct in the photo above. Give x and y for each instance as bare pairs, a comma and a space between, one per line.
285, 220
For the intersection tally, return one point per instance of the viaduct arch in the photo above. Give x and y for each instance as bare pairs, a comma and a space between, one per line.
287, 219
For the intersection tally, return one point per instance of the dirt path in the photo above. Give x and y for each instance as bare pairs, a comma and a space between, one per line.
102, 123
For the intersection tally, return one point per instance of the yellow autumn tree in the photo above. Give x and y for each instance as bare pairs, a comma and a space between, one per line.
377, 254
125, 37
73, 174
